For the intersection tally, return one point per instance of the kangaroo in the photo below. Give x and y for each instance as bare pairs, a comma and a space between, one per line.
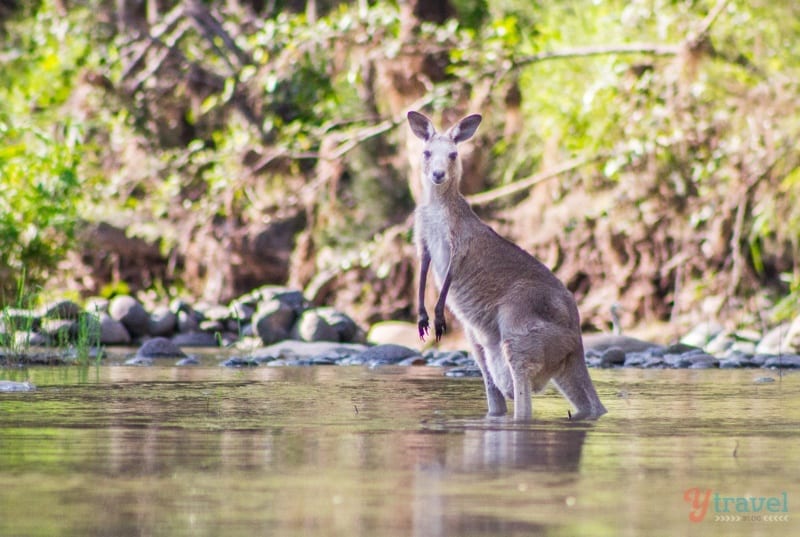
521, 321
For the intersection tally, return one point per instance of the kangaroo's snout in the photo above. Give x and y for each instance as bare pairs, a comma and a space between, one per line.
438, 177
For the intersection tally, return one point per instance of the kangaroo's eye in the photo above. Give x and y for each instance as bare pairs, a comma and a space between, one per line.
453, 155
426, 154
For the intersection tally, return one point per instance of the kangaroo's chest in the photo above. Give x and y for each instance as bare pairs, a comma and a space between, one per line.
437, 234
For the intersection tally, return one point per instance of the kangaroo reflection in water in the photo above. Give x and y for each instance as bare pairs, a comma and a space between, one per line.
535, 455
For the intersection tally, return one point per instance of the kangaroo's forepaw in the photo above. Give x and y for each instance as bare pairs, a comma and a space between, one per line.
440, 327
422, 326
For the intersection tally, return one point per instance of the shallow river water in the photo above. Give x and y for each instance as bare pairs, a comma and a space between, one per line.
207, 451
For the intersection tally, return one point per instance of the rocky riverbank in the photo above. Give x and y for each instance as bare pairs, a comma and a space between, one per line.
277, 326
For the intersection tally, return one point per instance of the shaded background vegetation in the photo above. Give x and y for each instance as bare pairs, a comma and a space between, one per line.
646, 150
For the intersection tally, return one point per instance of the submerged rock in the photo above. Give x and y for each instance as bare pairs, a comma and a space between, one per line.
12, 386
388, 354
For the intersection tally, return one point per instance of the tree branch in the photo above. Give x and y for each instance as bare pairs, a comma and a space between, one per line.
517, 186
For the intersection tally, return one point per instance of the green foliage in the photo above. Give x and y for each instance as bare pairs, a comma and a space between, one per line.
198, 136
41, 183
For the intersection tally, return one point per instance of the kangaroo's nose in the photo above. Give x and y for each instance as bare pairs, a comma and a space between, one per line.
438, 177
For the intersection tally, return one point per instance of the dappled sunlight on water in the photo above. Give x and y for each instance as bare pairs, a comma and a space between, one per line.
388, 451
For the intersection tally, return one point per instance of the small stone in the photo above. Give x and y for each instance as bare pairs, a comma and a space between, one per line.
763, 380
189, 360
131, 313
160, 347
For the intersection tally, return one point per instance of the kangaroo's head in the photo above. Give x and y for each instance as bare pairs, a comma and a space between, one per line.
440, 163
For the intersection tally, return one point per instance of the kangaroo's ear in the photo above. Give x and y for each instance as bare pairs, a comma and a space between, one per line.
421, 126
464, 129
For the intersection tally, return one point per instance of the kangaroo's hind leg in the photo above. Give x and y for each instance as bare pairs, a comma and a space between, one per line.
574, 383
525, 359
494, 397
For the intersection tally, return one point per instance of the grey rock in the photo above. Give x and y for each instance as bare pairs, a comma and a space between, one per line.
285, 295
413, 361
139, 361
61, 309
238, 362
786, 361
611, 357
654, 362
113, 332
342, 323
241, 312
188, 321
96, 305
189, 360
291, 349
460, 372
57, 330
12, 386
273, 321
216, 312
24, 339
448, 359
311, 326
387, 354
601, 342
702, 333
213, 326
720, 344
131, 313
637, 359
86, 328
764, 380
163, 322
195, 339
702, 361
314, 360
159, 347
21, 319
681, 348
